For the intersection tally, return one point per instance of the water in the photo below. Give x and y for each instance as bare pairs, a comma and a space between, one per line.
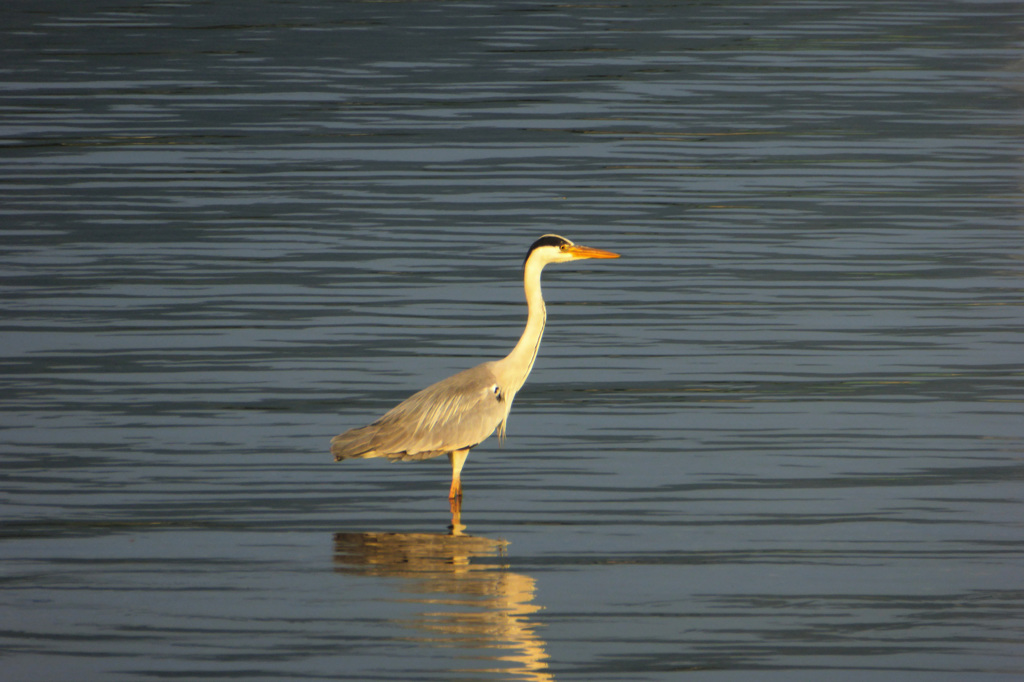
779, 439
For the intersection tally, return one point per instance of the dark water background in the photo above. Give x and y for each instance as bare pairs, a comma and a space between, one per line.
780, 439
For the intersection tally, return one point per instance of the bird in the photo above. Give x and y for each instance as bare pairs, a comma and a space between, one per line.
456, 414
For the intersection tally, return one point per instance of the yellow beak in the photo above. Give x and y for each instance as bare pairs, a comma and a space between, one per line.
581, 252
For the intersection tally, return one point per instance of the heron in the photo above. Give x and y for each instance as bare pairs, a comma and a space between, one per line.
458, 413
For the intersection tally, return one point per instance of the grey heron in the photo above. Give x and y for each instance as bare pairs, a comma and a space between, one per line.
460, 412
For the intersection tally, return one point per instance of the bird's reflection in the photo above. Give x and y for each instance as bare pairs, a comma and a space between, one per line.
474, 605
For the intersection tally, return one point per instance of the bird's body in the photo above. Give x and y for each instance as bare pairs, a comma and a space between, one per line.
456, 413
460, 412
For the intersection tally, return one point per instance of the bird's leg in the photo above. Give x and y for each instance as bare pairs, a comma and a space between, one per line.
456, 528
457, 458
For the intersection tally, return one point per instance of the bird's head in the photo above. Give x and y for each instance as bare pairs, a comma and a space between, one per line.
552, 248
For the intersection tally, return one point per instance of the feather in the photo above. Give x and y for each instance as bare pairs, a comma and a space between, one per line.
456, 413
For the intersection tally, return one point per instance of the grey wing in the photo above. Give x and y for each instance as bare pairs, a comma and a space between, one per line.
456, 413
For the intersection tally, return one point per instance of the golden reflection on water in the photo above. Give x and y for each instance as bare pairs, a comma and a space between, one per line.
479, 606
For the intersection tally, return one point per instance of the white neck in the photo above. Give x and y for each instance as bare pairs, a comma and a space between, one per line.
514, 368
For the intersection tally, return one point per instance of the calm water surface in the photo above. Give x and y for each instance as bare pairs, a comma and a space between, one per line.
780, 439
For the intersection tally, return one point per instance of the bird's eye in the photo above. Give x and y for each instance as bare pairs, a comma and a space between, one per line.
563, 247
